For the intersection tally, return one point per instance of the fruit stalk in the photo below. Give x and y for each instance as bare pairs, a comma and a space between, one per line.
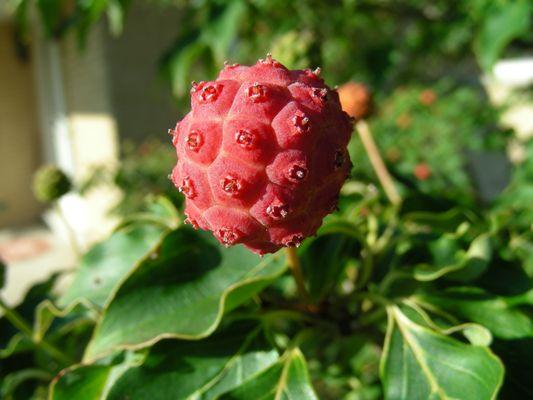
296, 270
377, 162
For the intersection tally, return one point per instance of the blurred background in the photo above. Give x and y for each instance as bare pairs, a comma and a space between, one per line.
93, 86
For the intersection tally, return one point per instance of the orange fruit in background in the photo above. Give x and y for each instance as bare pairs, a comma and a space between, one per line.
356, 99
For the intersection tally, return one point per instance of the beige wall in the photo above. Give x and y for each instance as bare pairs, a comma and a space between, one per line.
19, 136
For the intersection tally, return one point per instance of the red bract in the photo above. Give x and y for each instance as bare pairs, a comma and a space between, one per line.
262, 155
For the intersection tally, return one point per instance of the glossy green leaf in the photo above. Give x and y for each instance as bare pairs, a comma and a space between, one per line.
175, 369
91, 382
181, 291
453, 262
419, 363
108, 262
287, 379
495, 313
198, 370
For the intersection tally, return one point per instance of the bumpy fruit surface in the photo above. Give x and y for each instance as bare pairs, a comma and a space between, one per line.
262, 155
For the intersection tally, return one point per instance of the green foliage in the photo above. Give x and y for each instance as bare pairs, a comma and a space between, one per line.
429, 299
426, 300
418, 363
439, 128
385, 43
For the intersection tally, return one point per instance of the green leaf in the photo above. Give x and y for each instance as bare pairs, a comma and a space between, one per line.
86, 383
419, 363
11, 340
175, 369
324, 259
287, 379
108, 262
198, 370
457, 265
12, 381
91, 382
505, 21
493, 312
446, 221
180, 65
181, 292
220, 33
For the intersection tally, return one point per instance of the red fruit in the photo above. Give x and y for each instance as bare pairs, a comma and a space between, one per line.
262, 155
422, 171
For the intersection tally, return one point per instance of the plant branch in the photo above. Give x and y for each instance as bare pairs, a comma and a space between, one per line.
377, 162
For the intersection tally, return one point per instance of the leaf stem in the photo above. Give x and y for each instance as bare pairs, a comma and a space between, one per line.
296, 269
377, 162
18, 322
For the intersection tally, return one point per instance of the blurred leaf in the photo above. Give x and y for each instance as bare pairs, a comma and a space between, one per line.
181, 291
13, 342
219, 33
108, 262
421, 364
447, 221
88, 13
287, 379
12, 381
116, 10
180, 66
505, 21
50, 12
457, 265
494, 312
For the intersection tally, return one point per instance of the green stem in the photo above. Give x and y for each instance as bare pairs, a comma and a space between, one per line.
18, 322
366, 269
70, 232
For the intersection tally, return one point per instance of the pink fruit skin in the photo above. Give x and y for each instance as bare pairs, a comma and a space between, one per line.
262, 155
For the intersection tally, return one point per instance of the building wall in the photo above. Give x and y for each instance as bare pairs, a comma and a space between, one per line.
19, 136
141, 98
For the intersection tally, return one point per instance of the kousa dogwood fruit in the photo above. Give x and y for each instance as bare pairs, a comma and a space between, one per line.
262, 155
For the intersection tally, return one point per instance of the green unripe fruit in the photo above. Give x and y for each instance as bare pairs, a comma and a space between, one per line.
50, 183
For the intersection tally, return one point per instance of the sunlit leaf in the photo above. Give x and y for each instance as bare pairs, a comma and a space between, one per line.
419, 363
287, 379
458, 265
494, 312
181, 291
108, 262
